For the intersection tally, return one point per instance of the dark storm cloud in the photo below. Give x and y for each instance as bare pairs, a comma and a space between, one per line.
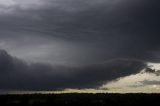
15, 74
100, 30
152, 71
119, 29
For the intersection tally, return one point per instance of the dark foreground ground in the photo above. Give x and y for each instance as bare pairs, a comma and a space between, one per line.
80, 99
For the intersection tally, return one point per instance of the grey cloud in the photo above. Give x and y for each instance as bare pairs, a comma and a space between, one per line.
145, 83
99, 30
121, 29
16, 74
148, 82
152, 71
135, 86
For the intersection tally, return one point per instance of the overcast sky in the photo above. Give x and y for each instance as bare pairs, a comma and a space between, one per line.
61, 44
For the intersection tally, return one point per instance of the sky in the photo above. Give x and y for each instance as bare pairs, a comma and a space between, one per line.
80, 45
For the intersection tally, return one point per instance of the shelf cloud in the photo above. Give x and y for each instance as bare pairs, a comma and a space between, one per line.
16, 74
80, 44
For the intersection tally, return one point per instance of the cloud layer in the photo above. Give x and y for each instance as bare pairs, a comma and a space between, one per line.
117, 29
16, 74
103, 39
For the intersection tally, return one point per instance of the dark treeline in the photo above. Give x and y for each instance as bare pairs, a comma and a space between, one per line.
80, 99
